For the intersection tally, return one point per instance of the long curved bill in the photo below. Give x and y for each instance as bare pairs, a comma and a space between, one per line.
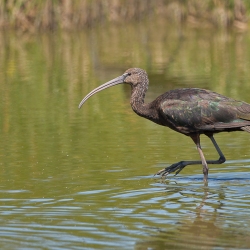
117, 80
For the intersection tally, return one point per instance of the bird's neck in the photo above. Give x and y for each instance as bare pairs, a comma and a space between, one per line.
139, 107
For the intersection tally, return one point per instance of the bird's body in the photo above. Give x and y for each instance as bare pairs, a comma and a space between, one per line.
193, 110
190, 111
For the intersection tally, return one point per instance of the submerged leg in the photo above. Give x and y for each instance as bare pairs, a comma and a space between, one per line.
177, 167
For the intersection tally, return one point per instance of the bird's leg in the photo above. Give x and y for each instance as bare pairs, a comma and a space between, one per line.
177, 167
196, 139
222, 157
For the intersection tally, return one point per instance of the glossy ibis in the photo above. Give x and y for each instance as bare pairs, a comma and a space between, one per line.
189, 111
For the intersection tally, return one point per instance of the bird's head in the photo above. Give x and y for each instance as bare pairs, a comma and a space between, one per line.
133, 76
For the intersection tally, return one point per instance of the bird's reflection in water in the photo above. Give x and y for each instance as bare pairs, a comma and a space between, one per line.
201, 230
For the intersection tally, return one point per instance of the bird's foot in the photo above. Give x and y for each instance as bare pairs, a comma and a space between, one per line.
176, 167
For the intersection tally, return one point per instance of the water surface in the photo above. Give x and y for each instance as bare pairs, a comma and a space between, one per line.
84, 179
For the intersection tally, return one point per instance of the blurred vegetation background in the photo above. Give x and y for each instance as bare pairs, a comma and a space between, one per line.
30, 15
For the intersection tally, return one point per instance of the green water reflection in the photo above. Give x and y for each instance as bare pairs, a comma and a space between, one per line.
75, 178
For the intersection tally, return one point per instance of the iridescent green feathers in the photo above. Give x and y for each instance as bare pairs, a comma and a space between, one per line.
199, 110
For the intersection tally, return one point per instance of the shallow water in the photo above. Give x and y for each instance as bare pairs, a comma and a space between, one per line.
84, 179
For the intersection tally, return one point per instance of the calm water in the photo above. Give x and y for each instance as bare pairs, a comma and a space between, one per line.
83, 179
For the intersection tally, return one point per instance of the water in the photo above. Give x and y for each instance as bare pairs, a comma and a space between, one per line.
84, 179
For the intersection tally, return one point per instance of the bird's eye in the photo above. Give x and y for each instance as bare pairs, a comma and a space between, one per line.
126, 74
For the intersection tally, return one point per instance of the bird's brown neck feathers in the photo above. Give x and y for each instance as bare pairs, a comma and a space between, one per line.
138, 105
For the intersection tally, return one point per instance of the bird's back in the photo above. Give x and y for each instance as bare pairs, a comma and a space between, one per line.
191, 110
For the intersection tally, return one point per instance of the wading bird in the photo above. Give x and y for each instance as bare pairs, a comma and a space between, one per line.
189, 111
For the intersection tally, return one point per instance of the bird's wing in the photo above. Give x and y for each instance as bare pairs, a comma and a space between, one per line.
230, 115
243, 111
225, 115
204, 114
182, 116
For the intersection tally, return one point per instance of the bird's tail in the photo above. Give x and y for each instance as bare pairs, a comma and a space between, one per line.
246, 128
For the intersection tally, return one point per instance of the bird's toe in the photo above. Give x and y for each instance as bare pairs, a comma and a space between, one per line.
176, 167
162, 172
